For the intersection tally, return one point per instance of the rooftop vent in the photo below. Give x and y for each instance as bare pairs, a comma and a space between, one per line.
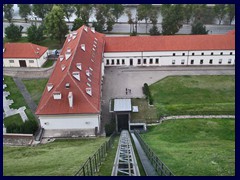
93, 29
57, 95
94, 45
95, 42
49, 86
85, 28
93, 49
88, 73
38, 49
89, 91
67, 85
89, 85
83, 47
96, 39
92, 60
61, 57
89, 80
70, 99
68, 53
90, 69
76, 75
63, 67
79, 66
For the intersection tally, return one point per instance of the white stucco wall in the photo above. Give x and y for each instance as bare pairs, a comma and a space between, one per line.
165, 58
73, 121
36, 62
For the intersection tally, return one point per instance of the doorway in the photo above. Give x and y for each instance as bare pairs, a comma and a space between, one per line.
122, 122
131, 62
22, 63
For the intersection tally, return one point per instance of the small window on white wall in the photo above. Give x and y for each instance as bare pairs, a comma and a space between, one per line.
157, 61
151, 61
107, 61
31, 61
118, 62
182, 61
231, 53
229, 61
112, 61
220, 61
201, 61
139, 61
173, 61
11, 61
144, 61
210, 61
123, 61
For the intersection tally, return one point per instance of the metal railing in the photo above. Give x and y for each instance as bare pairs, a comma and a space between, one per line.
158, 165
93, 163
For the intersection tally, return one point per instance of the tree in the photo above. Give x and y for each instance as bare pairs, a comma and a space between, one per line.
41, 10
203, 13
101, 13
13, 32
24, 11
143, 12
230, 9
8, 12
55, 25
172, 21
199, 28
130, 20
188, 12
154, 30
77, 24
220, 11
83, 11
117, 11
68, 9
35, 34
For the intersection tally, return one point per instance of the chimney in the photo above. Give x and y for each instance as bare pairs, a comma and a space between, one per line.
57, 95
83, 47
49, 86
89, 91
70, 99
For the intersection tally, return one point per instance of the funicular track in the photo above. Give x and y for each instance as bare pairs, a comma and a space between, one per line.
125, 163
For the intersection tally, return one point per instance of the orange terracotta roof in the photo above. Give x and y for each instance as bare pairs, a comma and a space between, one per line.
23, 50
170, 43
82, 102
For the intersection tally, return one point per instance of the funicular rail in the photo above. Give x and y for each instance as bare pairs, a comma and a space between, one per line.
125, 163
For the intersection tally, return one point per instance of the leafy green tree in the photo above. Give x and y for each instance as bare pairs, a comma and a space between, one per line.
102, 11
203, 13
13, 32
172, 21
188, 12
77, 24
83, 11
41, 10
143, 12
199, 28
117, 11
220, 11
55, 25
68, 9
154, 30
230, 9
24, 11
8, 12
130, 19
35, 34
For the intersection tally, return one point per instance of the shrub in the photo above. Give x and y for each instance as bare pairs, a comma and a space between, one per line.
110, 127
28, 127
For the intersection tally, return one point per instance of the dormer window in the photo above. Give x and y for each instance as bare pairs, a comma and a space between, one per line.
57, 95
85, 28
49, 86
83, 47
74, 34
63, 67
89, 91
61, 57
76, 75
93, 29
79, 66
68, 54
88, 73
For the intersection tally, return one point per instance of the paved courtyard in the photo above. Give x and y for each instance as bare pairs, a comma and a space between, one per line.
117, 79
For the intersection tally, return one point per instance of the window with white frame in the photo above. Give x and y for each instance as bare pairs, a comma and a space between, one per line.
202, 54
201, 61
157, 61
151, 61
231, 53
229, 61
221, 53
173, 54
192, 61
183, 54
139, 61
11, 61
112, 61
182, 61
210, 61
144, 61
173, 61
220, 61
118, 62
107, 62
31, 61
123, 61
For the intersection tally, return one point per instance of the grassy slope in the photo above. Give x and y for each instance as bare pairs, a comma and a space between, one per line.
195, 146
35, 87
16, 96
61, 158
189, 94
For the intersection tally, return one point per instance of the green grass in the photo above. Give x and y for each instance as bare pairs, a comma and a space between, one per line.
60, 158
48, 63
16, 96
35, 87
146, 113
195, 147
178, 95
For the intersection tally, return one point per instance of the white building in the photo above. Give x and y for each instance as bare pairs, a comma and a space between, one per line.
24, 55
176, 50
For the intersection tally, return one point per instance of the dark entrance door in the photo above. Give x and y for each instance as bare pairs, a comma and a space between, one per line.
131, 62
122, 122
22, 63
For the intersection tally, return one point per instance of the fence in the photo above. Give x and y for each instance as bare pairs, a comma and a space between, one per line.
92, 165
159, 166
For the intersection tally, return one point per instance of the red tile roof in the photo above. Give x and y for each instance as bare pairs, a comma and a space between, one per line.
170, 43
82, 102
23, 50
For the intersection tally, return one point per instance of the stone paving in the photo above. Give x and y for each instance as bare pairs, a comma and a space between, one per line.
10, 111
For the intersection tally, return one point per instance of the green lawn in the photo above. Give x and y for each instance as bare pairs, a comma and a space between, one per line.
16, 96
48, 63
60, 158
35, 87
13, 119
195, 147
179, 95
